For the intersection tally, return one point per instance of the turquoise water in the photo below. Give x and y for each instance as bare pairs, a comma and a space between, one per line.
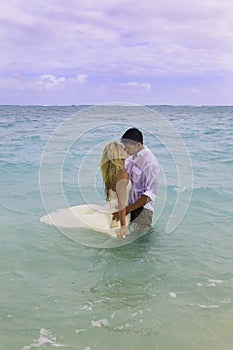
171, 288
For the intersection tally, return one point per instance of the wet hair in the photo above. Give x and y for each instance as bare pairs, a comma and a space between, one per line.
111, 165
132, 135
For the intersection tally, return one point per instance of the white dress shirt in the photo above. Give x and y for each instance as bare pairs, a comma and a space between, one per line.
143, 171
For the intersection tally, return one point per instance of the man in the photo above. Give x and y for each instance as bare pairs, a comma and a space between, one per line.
143, 170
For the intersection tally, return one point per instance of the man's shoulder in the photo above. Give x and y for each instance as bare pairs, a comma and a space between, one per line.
147, 154
149, 162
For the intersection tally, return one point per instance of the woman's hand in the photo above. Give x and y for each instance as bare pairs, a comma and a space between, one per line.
122, 232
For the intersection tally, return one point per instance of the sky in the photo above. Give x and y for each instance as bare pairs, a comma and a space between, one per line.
64, 52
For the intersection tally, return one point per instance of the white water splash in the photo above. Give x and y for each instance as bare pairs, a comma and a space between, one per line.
210, 306
99, 323
210, 283
80, 330
172, 294
45, 337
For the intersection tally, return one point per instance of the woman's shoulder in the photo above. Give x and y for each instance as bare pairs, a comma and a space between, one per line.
123, 175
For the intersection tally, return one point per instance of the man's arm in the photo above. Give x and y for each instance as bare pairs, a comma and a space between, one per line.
139, 203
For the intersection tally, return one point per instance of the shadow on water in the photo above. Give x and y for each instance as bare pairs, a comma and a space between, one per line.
92, 239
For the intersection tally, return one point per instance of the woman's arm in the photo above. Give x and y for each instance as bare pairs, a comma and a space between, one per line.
121, 184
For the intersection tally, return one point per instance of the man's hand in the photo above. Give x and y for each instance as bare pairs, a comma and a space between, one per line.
116, 216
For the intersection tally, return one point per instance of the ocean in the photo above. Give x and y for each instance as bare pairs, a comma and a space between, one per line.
169, 289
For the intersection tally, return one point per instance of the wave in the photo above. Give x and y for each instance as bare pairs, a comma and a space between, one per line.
204, 190
227, 161
212, 202
18, 166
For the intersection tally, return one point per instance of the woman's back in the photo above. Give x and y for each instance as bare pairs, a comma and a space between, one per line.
113, 199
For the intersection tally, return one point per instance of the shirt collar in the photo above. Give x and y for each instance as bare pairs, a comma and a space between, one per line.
139, 154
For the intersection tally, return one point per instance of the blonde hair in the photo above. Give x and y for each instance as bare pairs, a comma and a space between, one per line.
111, 165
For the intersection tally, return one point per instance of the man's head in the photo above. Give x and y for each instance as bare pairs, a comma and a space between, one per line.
132, 141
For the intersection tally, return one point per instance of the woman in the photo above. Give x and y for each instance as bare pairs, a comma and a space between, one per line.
116, 181
117, 188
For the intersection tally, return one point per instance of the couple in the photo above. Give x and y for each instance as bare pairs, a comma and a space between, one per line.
130, 174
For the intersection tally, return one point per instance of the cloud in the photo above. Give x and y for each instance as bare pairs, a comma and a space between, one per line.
48, 82
190, 90
137, 85
43, 46
45, 82
80, 78
118, 37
